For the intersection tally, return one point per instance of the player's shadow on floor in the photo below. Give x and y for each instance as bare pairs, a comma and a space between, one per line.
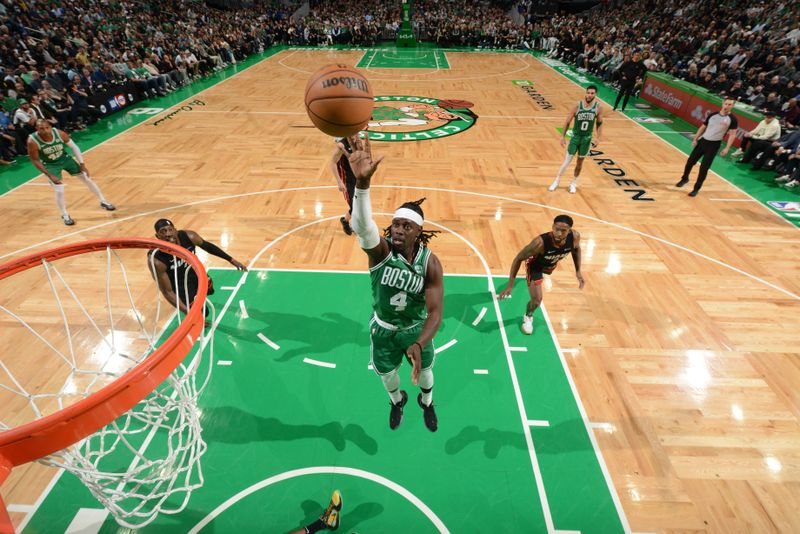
321, 335
351, 517
568, 436
493, 440
465, 308
228, 424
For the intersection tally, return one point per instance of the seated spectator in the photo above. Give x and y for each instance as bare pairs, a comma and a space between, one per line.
81, 112
759, 138
8, 140
791, 176
772, 103
790, 116
777, 155
54, 109
24, 122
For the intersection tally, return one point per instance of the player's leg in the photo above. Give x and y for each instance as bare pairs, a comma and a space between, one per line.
710, 152
425, 397
350, 189
694, 157
72, 167
572, 148
583, 151
386, 357
535, 291
61, 201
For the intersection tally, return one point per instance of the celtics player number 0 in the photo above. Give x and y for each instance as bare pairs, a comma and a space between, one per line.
399, 301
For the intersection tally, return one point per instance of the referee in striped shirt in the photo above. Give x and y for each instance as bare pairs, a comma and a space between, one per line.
707, 141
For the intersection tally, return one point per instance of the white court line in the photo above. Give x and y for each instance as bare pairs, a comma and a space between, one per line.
733, 199
268, 341
567, 532
87, 521
518, 349
416, 188
479, 317
481, 371
667, 143
229, 288
609, 482
538, 422
319, 363
570, 351
369, 366
20, 508
334, 470
224, 362
445, 346
243, 310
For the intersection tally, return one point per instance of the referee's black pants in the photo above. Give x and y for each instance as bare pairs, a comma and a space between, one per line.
703, 149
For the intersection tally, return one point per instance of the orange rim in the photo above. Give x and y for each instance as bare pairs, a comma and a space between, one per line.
59, 430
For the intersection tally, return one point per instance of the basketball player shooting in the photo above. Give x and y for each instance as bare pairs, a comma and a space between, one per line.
407, 290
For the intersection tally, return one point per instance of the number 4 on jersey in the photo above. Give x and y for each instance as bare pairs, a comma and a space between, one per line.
399, 301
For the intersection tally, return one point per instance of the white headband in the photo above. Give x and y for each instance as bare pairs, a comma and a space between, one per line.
411, 215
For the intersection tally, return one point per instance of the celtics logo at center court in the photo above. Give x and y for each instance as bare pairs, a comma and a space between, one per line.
418, 118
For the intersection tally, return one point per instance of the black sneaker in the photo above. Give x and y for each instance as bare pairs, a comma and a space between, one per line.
67, 220
108, 206
396, 413
683, 182
694, 192
346, 226
429, 414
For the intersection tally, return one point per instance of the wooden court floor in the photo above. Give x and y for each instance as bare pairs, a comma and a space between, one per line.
683, 344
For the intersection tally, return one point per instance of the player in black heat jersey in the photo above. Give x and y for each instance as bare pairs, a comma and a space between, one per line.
176, 280
340, 167
541, 256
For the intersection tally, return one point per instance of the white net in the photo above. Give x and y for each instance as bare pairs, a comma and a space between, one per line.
84, 322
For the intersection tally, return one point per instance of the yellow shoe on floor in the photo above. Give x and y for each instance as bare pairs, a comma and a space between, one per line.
331, 515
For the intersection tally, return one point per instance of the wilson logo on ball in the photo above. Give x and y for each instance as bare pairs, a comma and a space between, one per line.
350, 83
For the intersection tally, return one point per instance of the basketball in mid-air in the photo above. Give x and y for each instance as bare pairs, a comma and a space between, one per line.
339, 100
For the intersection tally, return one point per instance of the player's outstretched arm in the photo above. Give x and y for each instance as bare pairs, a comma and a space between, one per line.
214, 250
534, 248
576, 257
364, 166
434, 298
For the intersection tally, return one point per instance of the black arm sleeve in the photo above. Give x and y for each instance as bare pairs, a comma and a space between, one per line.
734, 123
211, 248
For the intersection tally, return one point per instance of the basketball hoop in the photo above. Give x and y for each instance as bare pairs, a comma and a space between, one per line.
137, 407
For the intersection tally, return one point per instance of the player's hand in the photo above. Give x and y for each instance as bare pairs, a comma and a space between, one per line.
694, 142
563, 142
595, 143
581, 282
724, 152
505, 293
54, 179
361, 159
414, 354
238, 265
